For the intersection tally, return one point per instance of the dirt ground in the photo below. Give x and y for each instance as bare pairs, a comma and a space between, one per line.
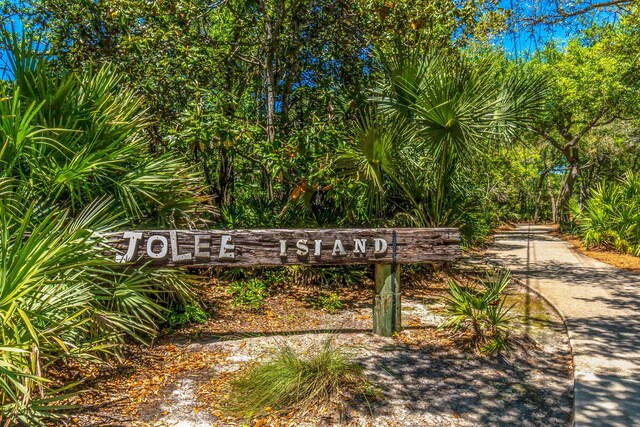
624, 261
426, 378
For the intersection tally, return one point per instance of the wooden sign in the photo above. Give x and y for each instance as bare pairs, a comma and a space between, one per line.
286, 246
386, 248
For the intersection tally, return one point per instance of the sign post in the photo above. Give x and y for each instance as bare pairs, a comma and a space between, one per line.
386, 248
387, 313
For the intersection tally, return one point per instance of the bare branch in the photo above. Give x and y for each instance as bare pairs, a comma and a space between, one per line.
591, 7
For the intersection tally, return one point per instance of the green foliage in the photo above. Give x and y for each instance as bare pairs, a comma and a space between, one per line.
215, 79
249, 293
481, 311
325, 277
77, 137
477, 228
434, 118
290, 381
329, 302
605, 57
76, 165
61, 298
611, 217
186, 314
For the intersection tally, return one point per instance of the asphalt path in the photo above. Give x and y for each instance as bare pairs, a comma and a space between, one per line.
601, 307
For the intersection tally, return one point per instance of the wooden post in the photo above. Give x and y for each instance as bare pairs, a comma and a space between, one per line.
387, 316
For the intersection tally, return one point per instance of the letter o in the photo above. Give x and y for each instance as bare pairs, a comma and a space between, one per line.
164, 245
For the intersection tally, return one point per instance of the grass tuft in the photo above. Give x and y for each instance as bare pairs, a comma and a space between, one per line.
292, 382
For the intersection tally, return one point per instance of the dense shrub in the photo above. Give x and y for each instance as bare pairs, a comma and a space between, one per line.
610, 218
75, 165
480, 310
61, 298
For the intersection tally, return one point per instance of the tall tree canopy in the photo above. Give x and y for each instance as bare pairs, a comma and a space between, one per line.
595, 82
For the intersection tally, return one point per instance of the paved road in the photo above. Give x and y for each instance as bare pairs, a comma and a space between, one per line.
601, 305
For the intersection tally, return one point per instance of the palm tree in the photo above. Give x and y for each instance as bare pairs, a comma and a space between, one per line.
448, 110
75, 165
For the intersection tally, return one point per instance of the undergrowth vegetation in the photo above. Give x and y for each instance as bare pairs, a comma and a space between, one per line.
186, 314
480, 310
75, 166
249, 293
610, 218
292, 381
329, 302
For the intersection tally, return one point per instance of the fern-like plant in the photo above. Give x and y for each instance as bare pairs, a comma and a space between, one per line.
610, 218
481, 311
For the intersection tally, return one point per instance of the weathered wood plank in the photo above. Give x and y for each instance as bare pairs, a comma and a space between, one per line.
387, 313
273, 247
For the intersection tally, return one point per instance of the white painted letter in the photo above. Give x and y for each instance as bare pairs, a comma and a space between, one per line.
175, 257
163, 250
359, 246
199, 245
318, 248
338, 249
303, 249
227, 250
133, 245
283, 248
380, 246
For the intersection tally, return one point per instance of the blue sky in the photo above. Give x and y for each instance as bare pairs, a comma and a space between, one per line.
521, 41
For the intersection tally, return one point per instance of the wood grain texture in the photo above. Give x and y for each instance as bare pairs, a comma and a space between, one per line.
387, 312
263, 247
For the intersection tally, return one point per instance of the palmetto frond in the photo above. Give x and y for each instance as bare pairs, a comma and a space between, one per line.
375, 151
75, 165
77, 137
454, 109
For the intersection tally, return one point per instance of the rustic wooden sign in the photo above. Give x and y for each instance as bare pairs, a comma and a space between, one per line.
287, 246
386, 248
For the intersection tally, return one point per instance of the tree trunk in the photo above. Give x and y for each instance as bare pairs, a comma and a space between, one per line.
536, 213
567, 189
271, 100
570, 153
269, 73
225, 178
554, 204
586, 182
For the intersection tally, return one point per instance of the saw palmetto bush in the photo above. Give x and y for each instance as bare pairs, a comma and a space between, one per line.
76, 165
76, 137
60, 298
481, 311
432, 116
610, 218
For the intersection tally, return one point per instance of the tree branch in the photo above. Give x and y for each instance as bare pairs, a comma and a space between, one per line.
547, 136
590, 7
588, 127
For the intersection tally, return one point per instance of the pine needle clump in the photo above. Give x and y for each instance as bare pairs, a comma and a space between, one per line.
293, 382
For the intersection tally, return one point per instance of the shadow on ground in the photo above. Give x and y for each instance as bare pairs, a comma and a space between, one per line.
483, 391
